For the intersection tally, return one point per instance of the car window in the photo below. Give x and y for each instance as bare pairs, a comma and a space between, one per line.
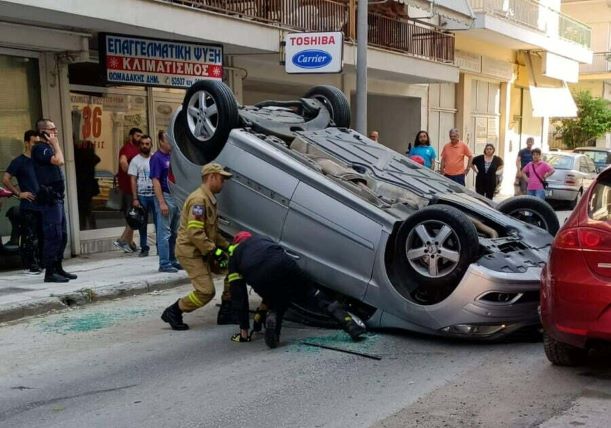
591, 165
599, 157
583, 165
600, 201
559, 161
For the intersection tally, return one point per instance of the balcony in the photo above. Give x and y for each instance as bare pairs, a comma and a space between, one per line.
395, 34
536, 16
601, 64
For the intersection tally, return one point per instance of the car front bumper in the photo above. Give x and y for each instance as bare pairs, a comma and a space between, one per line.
486, 305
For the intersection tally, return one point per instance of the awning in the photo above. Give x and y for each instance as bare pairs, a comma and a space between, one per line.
456, 10
549, 97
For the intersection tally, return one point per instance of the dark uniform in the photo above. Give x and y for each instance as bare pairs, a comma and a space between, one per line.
22, 168
265, 266
50, 198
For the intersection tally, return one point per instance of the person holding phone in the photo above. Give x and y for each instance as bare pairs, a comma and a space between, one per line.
48, 159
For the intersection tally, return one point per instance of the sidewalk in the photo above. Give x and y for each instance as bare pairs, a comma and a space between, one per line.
101, 276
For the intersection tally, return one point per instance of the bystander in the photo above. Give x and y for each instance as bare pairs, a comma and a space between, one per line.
168, 211
129, 150
142, 189
453, 158
22, 168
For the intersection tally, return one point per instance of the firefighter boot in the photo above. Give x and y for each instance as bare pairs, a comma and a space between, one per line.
60, 270
259, 319
173, 316
225, 315
351, 325
272, 330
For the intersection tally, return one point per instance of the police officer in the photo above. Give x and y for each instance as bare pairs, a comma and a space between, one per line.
22, 168
276, 277
48, 158
198, 238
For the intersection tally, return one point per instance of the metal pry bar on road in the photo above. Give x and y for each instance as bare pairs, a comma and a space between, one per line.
347, 351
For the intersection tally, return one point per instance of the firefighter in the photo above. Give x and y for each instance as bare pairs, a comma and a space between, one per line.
276, 277
198, 238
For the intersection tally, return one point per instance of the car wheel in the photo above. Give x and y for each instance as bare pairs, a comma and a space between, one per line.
210, 113
335, 101
434, 247
561, 354
531, 210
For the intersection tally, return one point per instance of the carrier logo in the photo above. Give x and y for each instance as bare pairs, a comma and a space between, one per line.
311, 58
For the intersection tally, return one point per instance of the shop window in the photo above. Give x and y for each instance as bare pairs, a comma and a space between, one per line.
165, 102
101, 124
19, 109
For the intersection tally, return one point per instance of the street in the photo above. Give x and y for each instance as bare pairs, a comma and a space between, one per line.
116, 364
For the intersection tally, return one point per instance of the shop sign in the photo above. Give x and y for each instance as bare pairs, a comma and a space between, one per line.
314, 52
153, 62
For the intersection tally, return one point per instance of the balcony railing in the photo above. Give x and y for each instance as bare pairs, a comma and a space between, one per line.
401, 35
410, 37
601, 63
534, 15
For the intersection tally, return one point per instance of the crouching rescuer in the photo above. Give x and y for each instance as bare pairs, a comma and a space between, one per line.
276, 277
196, 244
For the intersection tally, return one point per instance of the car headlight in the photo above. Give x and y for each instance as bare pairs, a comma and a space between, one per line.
474, 330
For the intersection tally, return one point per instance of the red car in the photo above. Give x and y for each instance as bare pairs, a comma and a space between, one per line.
576, 283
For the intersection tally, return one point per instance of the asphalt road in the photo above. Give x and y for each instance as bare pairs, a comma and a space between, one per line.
115, 364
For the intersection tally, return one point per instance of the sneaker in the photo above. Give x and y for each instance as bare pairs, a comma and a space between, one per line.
32, 271
168, 269
178, 266
143, 253
271, 336
122, 245
133, 247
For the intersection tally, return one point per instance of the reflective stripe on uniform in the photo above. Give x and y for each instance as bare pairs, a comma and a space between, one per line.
194, 299
234, 277
231, 249
195, 224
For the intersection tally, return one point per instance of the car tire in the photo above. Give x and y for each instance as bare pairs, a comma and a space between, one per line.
335, 101
434, 248
531, 210
208, 128
561, 354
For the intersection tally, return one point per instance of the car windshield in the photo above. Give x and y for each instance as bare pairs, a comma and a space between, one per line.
559, 161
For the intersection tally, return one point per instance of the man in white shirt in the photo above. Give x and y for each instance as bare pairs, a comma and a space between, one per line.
142, 188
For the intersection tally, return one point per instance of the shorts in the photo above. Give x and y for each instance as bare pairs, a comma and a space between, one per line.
127, 200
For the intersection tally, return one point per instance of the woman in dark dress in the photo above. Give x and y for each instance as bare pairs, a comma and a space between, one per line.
487, 167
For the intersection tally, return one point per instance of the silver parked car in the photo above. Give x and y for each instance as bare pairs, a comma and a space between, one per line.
404, 246
574, 174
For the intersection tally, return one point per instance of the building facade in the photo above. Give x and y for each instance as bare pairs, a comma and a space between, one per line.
431, 65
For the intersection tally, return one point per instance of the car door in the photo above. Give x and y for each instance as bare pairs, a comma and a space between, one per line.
333, 241
256, 198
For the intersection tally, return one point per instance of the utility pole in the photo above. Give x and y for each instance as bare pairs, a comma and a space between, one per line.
361, 66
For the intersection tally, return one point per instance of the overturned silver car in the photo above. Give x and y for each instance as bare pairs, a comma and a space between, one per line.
404, 246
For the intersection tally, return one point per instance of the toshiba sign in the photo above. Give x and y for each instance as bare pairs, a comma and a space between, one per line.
314, 52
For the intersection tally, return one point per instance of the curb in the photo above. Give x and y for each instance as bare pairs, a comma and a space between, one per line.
85, 296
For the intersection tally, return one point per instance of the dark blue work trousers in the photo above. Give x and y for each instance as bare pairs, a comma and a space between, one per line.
55, 234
